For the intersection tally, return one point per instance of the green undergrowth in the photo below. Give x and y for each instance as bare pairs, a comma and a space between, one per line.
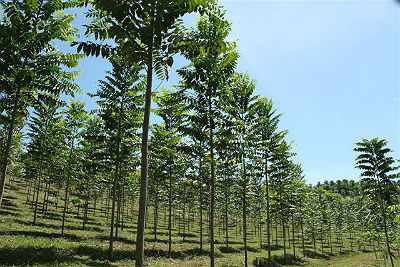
23, 243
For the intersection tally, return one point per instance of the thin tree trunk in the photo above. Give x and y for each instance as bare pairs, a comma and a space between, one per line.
115, 184
302, 237
144, 160
226, 219
283, 223
170, 213
28, 195
7, 149
183, 218
244, 211
284, 237
67, 187
117, 224
212, 201
330, 238
114, 189
46, 192
58, 195
268, 215
201, 203
156, 213
38, 189
85, 217
276, 232
123, 207
386, 233
294, 247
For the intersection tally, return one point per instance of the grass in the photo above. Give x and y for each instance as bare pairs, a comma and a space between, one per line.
25, 244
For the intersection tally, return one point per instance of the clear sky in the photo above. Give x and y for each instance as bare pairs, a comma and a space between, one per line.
331, 67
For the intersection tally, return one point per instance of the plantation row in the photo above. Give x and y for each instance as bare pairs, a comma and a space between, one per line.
217, 157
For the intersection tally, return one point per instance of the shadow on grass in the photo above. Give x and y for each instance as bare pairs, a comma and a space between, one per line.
229, 242
346, 252
152, 232
228, 250
98, 253
52, 216
31, 255
58, 227
40, 224
251, 249
41, 234
187, 253
187, 235
152, 240
159, 253
11, 187
273, 247
6, 212
190, 241
54, 256
7, 203
316, 255
81, 254
9, 197
263, 262
88, 227
197, 252
288, 260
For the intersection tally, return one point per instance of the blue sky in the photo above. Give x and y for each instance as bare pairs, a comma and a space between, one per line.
331, 67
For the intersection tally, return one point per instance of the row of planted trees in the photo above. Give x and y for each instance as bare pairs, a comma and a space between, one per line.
217, 156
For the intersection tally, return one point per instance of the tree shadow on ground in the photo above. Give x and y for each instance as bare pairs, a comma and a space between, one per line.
288, 260
229, 242
31, 255
158, 233
252, 249
82, 254
316, 255
11, 187
88, 227
50, 256
119, 239
273, 247
52, 216
7, 212
40, 224
7, 203
263, 262
159, 253
152, 240
190, 241
187, 253
41, 234
100, 253
347, 252
197, 252
187, 235
225, 249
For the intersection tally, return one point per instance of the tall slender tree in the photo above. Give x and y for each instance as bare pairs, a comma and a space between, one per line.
147, 33
213, 60
267, 129
121, 98
75, 119
378, 172
240, 104
172, 111
31, 67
